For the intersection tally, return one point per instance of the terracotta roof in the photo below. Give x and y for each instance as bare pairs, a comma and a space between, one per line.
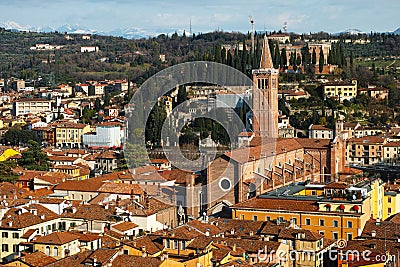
29, 233
182, 232
368, 140
102, 256
205, 227
89, 185
290, 233
146, 243
71, 261
36, 259
384, 230
124, 226
90, 212
18, 218
238, 228
121, 188
154, 206
336, 185
392, 144
135, 261
200, 242
56, 238
249, 245
320, 127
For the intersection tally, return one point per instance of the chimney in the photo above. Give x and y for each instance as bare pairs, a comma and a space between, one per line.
234, 247
34, 211
373, 233
10, 224
207, 233
42, 216
73, 209
94, 261
378, 221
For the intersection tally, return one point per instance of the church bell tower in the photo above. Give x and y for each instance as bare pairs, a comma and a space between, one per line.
265, 96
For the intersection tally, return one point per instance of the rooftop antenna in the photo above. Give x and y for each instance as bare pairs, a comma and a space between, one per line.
252, 35
190, 26
285, 26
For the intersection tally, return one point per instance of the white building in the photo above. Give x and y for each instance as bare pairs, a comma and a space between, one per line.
319, 131
106, 135
32, 106
89, 49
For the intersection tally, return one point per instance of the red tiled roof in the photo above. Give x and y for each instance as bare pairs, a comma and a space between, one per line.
56, 238
124, 226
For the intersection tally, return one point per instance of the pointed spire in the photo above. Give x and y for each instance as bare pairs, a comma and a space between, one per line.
266, 59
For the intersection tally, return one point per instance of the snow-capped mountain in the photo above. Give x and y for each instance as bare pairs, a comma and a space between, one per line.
129, 33
350, 32
12, 25
76, 28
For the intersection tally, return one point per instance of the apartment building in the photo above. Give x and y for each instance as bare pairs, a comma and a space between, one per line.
68, 134
31, 106
365, 150
341, 90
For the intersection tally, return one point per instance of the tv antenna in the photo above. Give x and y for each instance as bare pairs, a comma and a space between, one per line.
252, 34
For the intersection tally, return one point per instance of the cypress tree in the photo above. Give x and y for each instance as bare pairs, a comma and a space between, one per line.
314, 57
321, 60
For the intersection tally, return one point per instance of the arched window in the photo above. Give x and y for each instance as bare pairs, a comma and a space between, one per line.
55, 251
47, 250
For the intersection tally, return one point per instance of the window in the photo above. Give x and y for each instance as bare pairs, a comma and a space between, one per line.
389, 198
175, 244
268, 218
15, 248
335, 235
47, 250
349, 224
335, 223
255, 217
4, 235
15, 235
4, 247
55, 251
321, 222
322, 233
167, 243
349, 236
389, 210
183, 245
308, 222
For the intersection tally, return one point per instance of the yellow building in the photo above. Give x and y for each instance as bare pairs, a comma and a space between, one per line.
70, 134
391, 200
58, 244
340, 212
8, 153
341, 90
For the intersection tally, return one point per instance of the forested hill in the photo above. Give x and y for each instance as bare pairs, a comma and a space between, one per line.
137, 60
116, 58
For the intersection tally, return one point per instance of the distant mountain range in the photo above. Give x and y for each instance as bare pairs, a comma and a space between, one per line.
129, 33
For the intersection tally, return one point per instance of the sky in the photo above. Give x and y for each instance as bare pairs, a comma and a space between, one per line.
207, 15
